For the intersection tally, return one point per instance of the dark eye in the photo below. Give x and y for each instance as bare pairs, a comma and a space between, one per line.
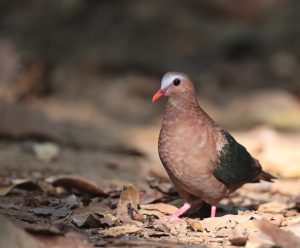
176, 81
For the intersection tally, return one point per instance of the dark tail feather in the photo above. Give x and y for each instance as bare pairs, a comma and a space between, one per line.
267, 177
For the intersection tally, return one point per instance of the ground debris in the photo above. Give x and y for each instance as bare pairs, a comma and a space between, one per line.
128, 203
59, 208
162, 185
86, 220
273, 207
238, 236
149, 195
95, 215
195, 225
47, 151
111, 212
284, 239
92, 220
286, 187
120, 230
161, 207
41, 236
76, 183
18, 183
49, 211
41, 228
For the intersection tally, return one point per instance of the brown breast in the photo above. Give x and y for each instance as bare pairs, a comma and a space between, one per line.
187, 149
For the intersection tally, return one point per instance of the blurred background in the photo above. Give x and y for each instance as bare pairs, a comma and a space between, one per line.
77, 77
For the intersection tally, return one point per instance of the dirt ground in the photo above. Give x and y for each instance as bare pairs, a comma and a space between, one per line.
79, 165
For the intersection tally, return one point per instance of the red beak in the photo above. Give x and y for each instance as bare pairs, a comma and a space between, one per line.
157, 95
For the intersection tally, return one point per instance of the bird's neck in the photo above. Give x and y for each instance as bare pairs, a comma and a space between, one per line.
183, 103
186, 107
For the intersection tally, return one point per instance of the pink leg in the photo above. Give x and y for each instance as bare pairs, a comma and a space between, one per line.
213, 211
186, 206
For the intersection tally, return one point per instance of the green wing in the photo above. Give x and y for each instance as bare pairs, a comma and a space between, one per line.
235, 165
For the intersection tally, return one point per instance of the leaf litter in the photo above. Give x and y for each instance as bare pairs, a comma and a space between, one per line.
69, 205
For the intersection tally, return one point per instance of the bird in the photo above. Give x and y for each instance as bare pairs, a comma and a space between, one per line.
203, 160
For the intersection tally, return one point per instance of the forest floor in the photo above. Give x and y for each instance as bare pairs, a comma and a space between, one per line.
79, 165
73, 177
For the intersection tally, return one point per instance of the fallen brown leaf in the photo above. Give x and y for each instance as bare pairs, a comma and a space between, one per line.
41, 228
85, 220
226, 222
96, 214
120, 230
108, 220
238, 236
284, 239
286, 187
128, 203
163, 186
173, 227
150, 195
155, 213
76, 183
272, 207
20, 183
59, 209
161, 207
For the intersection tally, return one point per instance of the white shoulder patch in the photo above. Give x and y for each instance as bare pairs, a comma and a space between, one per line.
221, 140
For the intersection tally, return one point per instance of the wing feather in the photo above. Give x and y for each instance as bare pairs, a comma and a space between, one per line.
235, 166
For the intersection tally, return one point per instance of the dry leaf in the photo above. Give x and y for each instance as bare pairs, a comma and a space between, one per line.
58, 209
226, 222
49, 211
161, 207
41, 228
272, 207
21, 183
77, 183
163, 186
108, 220
150, 195
238, 236
275, 219
286, 187
284, 239
195, 225
120, 230
156, 213
128, 203
178, 227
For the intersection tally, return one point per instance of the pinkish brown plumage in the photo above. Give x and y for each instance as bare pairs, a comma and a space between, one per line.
203, 161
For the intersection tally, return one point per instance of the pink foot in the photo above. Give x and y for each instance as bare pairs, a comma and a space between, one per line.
213, 211
171, 218
186, 206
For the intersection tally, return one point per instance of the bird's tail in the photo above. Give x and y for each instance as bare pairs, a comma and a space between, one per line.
267, 177
262, 175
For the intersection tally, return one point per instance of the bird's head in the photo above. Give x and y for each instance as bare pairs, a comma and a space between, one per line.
174, 83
